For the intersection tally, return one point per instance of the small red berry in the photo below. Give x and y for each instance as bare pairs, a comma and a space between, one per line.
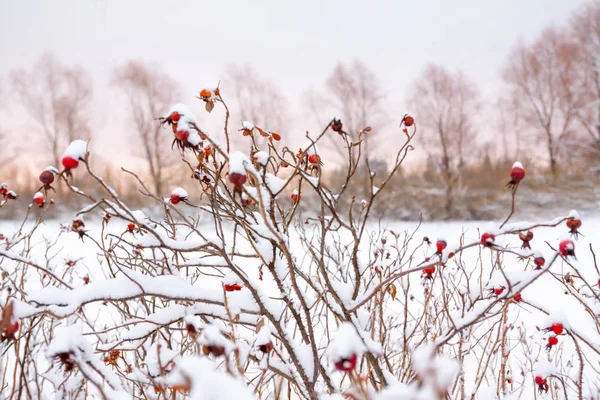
9, 332
295, 196
498, 291
540, 381
517, 173
46, 177
347, 364
542, 384
517, 297
557, 328
182, 135
130, 227
175, 199
566, 248
174, 116
552, 341
336, 125
440, 245
314, 159
409, 121
573, 223
205, 94
3, 189
429, 270
232, 287
38, 198
487, 239
69, 162
237, 179
539, 262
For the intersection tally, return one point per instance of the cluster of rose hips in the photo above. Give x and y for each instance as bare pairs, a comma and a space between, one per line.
6, 193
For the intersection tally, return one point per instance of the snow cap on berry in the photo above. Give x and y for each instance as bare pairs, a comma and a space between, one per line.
212, 336
76, 150
518, 164
38, 198
556, 317
434, 370
261, 157
545, 368
345, 344
238, 162
574, 214
263, 337
231, 279
178, 194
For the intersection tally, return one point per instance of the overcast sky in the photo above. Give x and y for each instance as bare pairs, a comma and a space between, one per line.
295, 44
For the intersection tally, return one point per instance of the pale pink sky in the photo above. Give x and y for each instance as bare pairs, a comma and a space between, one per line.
295, 44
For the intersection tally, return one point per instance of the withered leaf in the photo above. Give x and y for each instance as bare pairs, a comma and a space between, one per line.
209, 106
392, 291
260, 324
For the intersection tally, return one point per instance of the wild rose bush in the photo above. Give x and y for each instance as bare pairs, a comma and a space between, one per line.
240, 294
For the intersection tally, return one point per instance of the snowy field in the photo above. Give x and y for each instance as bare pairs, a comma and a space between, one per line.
525, 319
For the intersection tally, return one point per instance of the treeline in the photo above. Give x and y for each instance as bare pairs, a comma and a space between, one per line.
547, 115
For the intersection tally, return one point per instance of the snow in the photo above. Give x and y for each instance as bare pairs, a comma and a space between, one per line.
574, 214
180, 192
212, 336
207, 383
38, 195
518, 164
556, 317
545, 369
76, 150
262, 157
238, 162
434, 370
247, 125
159, 357
52, 169
345, 343
263, 336
206, 295
139, 217
274, 183
65, 302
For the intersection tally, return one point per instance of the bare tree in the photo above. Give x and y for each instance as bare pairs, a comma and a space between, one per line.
585, 28
56, 99
446, 103
510, 127
258, 100
543, 76
355, 95
3, 140
150, 92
